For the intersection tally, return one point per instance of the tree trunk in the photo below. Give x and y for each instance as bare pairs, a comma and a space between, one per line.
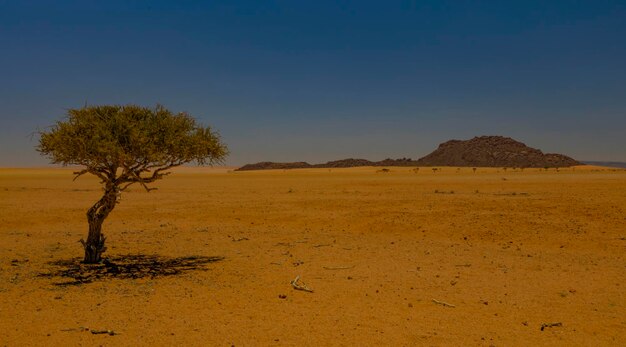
94, 247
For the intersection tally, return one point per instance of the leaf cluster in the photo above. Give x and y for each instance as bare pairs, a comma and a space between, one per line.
129, 144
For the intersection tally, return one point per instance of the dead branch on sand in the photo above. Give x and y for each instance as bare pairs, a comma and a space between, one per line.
93, 331
443, 303
338, 267
109, 332
300, 286
550, 325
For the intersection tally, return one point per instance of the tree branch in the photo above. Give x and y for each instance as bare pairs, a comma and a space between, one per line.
131, 176
140, 180
80, 173
100, 173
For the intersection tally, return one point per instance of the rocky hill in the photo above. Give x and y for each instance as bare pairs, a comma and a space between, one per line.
268, 165
346, 163
483, 151
493, 151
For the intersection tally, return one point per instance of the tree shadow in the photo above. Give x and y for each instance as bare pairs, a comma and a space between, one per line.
132, 266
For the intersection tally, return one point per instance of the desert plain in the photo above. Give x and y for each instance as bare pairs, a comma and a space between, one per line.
398, 258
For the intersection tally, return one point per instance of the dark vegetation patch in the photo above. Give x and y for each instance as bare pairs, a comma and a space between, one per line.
135, 266
437, 191
511, 194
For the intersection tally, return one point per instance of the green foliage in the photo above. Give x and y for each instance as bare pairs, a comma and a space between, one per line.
120, 143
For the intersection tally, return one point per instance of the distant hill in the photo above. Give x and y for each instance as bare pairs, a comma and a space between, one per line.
482, 151
346, 163
493, 151
606, 163
267, 165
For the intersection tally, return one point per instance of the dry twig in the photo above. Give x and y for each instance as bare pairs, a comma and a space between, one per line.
300, 286
443, 303
338, 267
109, 332
550, 325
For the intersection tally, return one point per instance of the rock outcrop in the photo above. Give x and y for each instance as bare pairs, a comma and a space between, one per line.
268, 165
493, 151
481, 151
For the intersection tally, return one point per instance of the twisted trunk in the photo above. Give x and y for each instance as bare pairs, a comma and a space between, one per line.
94, 246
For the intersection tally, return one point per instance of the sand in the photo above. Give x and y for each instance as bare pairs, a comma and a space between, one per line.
509, 250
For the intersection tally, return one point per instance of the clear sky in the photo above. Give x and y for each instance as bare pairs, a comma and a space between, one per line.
325, 80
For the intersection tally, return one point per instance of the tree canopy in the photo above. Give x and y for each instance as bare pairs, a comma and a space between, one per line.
130, 144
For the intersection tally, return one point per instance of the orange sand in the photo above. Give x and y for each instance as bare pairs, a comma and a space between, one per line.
510, 250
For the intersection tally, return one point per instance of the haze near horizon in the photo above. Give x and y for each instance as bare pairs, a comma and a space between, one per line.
291, 81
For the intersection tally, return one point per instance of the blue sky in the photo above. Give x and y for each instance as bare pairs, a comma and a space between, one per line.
324, 80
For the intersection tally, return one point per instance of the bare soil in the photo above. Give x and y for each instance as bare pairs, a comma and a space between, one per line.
400, 258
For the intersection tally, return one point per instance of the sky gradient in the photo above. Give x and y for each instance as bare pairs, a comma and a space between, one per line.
325, 80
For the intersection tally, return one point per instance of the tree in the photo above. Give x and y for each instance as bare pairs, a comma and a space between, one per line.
124, 145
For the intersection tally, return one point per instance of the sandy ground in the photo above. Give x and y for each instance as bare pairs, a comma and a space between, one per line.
509, 250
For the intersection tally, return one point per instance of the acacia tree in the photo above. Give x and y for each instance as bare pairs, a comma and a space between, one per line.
124, 145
